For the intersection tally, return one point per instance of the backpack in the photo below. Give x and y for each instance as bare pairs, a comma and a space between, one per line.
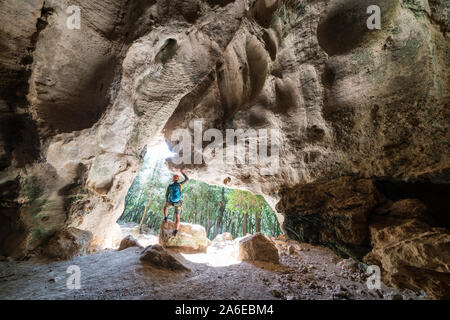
174, 192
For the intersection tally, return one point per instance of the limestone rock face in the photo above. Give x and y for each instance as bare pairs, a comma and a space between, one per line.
68, 243
158, 257
333, 213
258, 247
191, 238
354, 218
78, 107
127, 242
412, 253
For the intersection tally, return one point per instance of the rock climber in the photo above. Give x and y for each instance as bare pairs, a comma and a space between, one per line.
173, 198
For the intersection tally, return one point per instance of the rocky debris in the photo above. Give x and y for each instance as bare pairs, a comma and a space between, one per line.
142, 280
393, 296
191, 238
257, 247
94, 249
127, 242
411, 252
291, 250
348, 264
276, 293
67, 243
341, 292
158, 257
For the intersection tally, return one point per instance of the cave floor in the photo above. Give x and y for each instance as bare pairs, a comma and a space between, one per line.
309, 272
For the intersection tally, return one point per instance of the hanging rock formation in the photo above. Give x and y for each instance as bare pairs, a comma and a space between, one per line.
77, 108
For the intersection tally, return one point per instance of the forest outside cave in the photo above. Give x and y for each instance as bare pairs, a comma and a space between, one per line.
217, 209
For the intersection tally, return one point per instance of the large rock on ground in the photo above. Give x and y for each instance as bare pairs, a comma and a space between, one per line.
223, 237
412, 254
191, 238
127, 242
257, 247
158, 257
68, 243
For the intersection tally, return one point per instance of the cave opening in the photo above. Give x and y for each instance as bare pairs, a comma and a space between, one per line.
217, 209
225, 214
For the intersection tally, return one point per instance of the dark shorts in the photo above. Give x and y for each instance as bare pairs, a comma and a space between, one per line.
177, 205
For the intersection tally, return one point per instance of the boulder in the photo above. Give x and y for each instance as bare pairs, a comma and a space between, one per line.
158, 257
68, 243
223, 237
258, 247
127, 242
191, 238
341, 105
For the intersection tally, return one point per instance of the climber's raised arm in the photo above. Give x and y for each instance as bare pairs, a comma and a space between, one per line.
185, 177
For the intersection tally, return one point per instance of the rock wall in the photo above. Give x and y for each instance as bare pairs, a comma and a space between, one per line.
77, 107
359, 218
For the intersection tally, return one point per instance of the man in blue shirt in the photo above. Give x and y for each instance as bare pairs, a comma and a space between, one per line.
173, 199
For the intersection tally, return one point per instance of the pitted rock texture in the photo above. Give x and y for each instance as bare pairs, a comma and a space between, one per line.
412, 252
78, 107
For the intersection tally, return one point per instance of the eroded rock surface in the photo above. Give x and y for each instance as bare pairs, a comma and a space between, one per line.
68, 243
77, 107
333, 213
412, 253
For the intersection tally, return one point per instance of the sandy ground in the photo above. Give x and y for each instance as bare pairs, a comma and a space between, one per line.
307, 272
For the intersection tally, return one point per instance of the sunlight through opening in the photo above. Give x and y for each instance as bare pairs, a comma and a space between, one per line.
221, 258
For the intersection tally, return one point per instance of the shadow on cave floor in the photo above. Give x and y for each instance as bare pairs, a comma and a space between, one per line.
308, 272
